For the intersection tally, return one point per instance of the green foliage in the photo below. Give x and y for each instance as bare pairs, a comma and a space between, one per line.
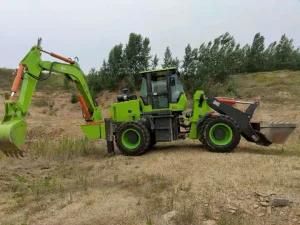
285, 54
169, 61
255, 55
207, 67
154, 62
123, 64
115, 61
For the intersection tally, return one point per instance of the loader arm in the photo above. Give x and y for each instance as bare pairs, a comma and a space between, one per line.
13, 125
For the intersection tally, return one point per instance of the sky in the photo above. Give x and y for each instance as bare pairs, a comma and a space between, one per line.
88, 29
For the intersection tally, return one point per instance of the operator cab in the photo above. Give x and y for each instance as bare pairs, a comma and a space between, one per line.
161, 88
163, 101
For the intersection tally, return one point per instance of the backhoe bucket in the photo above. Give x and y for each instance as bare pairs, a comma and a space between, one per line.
277, 133
12, 137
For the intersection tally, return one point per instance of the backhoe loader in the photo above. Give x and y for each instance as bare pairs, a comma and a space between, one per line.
159, 114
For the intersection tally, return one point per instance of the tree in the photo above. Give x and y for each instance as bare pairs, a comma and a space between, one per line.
137, 54
190, 61
207, 67
115, 61
187, 59
297, 58
136, 58
133, 53
284, 53
169, 61
145, 56
256, 54
269, 57
154, 62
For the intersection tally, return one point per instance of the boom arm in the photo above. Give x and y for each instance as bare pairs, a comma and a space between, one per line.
33, 66
13, 126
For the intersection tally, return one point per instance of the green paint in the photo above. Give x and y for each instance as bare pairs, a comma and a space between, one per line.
181, 105
94, 131
125, 111
133, 143
13, 132
200, 109
13, 126
226, 136
76, 74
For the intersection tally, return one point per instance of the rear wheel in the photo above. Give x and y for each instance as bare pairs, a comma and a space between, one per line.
221, 134
132, 138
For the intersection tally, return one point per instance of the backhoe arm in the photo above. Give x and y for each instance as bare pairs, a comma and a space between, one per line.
89, 109
13, 126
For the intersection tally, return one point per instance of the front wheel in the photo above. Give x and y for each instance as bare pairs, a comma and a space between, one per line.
132, 138
221, 134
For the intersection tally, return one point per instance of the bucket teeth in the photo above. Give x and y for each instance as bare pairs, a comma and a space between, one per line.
12, 137
11, 151
14, 154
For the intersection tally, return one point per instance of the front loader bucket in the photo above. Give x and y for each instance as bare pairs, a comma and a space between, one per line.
12, 137
277, 133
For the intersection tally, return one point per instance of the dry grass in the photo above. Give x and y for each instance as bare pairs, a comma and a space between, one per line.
62, 149
284, 86
141, 190
238, 219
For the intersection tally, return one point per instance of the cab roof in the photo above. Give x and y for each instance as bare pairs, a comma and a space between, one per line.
161, 72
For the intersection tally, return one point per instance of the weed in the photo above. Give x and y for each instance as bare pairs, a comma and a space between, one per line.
208, 212
186, 216
18, 186
82, 182
43, 186
63, 149
233, 219
149, 221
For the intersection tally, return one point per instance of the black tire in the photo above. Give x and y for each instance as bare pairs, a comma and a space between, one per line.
135, 134
201, 131
221, 143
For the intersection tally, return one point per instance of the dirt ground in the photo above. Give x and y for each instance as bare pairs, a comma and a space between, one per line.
66, 180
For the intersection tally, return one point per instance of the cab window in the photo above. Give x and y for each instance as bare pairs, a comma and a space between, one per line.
144, 91
176, 88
